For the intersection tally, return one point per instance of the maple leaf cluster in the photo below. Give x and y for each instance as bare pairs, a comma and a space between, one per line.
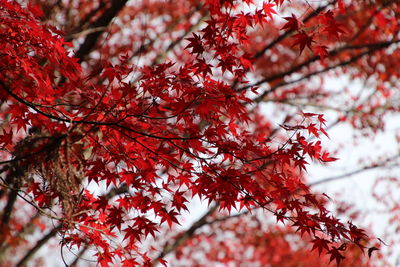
113, 141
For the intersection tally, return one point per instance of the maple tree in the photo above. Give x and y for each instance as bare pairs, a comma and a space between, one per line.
116, 114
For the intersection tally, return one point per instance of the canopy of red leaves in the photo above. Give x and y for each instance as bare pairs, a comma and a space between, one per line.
112, 138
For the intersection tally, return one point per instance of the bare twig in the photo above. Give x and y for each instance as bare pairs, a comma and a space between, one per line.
354, 172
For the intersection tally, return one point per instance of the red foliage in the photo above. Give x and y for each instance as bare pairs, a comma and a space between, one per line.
112, 133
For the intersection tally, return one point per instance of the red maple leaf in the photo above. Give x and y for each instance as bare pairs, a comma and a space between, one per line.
326, 158
292, 23
196, 44
335, 255
268, 10
321, 51
302, 39
320, 244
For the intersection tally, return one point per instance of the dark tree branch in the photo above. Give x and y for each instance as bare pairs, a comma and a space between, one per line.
113, 192
38, 245
281, 37
12, 197
79, 256
114, 123
183, 237
181, 38
102, 21
371, 49
354, 172
315, 58
85, 21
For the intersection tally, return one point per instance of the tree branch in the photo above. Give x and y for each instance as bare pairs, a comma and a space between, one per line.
79, 256
12, 197
372, 48
102, 21
183, 237
181, 38
281, 37
84, 22
38, 245
351, 173
69, 120
313, 14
